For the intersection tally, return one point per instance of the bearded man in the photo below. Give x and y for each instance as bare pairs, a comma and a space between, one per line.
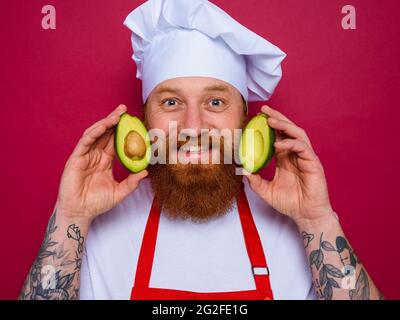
191, 230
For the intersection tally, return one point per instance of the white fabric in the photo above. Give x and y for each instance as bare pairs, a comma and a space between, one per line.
180, 38
202, 257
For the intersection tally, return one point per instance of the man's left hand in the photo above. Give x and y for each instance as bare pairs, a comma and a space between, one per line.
299, 188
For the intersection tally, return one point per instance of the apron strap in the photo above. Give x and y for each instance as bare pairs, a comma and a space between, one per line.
253, 243
146, 255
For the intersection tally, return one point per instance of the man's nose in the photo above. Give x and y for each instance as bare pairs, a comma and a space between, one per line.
192, 120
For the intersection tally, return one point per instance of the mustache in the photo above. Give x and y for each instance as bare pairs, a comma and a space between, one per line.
201, 140
198, 141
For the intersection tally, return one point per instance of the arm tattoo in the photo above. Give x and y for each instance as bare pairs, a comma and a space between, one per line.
307, 238
74, 233
329, 275
361, 291
54, 270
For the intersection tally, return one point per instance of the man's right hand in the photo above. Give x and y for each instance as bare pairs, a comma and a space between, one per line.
88, 187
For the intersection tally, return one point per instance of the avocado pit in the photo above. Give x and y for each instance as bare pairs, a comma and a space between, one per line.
134, 145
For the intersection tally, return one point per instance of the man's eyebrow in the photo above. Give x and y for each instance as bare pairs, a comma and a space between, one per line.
162, 89
217, 87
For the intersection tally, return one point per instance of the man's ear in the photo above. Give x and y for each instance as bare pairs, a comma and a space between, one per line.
245, 106
144, 111
245, 112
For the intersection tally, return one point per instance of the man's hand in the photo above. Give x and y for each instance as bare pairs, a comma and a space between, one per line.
88, 187
299, 191
298, 188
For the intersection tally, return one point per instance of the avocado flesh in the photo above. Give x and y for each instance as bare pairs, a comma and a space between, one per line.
127, 125
256, 144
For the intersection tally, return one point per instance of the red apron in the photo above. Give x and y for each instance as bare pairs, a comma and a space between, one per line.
142, 291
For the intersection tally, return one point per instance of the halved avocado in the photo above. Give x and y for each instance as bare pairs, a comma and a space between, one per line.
256, 144
132, 143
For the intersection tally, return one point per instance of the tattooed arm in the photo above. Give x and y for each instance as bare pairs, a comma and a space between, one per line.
337, 272
87, 189
55, 273
299, 191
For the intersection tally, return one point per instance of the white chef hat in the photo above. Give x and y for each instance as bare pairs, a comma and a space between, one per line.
182, 38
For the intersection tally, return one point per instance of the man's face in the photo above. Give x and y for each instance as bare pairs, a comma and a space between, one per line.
193, 189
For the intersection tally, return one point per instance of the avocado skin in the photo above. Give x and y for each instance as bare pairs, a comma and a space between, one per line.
271, 145
271, 140
120, 151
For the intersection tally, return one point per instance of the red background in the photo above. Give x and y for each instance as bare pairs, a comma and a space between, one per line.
339, 85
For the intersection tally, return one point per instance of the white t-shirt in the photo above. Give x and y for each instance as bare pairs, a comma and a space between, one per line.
190, 256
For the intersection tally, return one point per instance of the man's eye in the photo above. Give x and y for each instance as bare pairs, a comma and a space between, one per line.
216, 102
170, 102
